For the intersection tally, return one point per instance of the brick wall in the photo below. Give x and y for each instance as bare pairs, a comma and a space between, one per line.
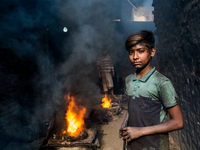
178, 51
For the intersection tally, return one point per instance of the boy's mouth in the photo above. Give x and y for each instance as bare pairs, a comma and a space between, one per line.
136, 63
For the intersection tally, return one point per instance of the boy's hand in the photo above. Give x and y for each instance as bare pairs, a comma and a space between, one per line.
99, 75
131, 133
121, 129
121, 132
113, 74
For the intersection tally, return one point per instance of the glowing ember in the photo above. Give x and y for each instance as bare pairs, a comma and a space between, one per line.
106, 103
74, 118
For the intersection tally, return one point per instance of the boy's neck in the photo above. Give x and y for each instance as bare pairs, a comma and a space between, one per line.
142, 72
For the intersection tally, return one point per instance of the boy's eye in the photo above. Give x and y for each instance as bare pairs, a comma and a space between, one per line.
130, 52
141, 51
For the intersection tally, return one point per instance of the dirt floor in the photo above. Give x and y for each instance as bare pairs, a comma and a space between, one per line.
109, 133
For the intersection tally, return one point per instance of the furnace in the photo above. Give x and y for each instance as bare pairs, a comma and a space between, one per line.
56, 139
86, 141
107, 114
73, 132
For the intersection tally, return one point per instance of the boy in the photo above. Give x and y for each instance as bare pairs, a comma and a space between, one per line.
105, 67
151, 96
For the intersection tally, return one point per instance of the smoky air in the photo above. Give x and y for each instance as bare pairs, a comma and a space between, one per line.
48, 49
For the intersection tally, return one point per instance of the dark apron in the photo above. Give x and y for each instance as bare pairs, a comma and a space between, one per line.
144, 112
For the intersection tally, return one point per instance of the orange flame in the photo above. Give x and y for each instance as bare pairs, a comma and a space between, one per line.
106, 103
74, 118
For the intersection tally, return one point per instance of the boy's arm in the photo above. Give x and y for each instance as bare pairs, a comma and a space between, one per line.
175, 123
98, 67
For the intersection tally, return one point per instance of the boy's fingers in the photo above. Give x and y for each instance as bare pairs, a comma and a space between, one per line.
129, 140
120, 136
125, 134
120, 132
123, 129
126, 137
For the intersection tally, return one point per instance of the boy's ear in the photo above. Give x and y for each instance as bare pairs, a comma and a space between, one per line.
153, 52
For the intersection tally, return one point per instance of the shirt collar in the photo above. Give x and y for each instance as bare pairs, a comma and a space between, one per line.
145, 77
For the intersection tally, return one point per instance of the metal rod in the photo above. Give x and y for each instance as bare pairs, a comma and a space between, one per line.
124, 144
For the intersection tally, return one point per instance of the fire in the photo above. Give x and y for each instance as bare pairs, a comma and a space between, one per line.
106, 103
74, 118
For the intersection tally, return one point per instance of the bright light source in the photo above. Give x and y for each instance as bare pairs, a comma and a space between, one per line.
117, 20
65, 29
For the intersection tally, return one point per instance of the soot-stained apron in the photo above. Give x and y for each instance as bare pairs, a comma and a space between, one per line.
144, 111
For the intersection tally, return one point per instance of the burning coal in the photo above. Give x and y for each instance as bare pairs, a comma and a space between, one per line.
106, 103
74, 117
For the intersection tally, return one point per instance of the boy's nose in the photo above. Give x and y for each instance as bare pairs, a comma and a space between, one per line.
135, 56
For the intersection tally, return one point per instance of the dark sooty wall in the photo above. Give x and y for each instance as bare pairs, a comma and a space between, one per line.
178, 50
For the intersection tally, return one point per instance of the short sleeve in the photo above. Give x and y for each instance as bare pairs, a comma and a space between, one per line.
127, 84
168, 94
125, 88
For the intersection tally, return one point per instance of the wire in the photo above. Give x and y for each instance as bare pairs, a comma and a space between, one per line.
135, 8
132, 5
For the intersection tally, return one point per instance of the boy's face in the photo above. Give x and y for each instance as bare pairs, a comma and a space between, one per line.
104, 52
140, 56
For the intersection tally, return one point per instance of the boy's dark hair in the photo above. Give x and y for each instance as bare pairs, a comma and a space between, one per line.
140, 37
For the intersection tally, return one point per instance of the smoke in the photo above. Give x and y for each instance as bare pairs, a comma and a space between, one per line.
40, 63
94, 31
